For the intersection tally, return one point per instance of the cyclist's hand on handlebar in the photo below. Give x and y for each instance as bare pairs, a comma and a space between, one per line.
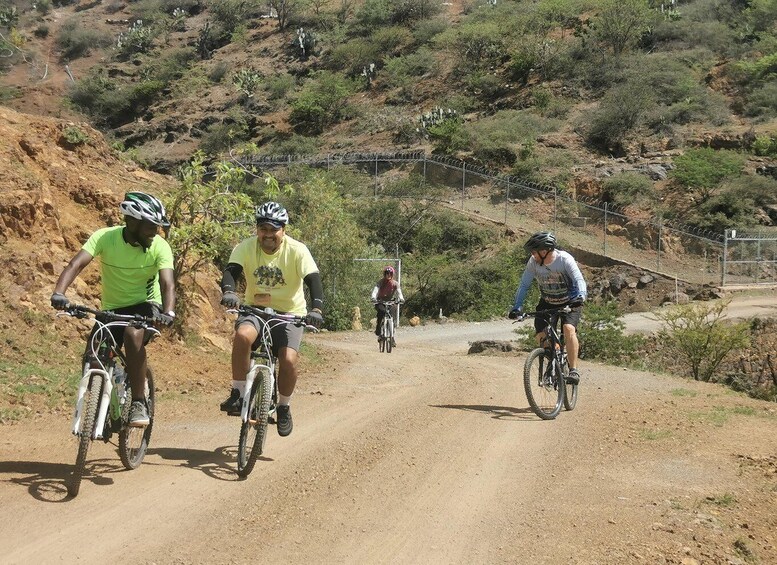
314, 319
230, 299
515, 314
59, 301
163, 319
576, 302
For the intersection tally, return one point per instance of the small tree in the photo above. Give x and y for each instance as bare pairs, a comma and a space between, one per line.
700, 338
208, 218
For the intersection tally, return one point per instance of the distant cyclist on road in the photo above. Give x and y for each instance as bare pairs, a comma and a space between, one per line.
386, 289
275, 267
561, 284
136, 270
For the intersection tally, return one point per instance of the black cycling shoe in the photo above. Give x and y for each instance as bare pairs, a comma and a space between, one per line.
233, 404
573, 377
283, 417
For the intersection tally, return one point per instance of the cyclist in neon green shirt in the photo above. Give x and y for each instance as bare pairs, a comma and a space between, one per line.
275, 267
136, 269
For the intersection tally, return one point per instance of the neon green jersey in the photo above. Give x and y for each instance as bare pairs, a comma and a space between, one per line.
275, 280
129, 275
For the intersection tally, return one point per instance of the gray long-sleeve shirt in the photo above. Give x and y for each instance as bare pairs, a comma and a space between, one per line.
560, 281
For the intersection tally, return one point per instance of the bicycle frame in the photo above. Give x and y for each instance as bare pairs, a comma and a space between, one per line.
101, 362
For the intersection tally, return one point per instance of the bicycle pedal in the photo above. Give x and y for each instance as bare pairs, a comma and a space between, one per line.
270, 420
233, 413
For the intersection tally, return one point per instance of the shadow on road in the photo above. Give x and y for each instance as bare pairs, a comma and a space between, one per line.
47, 482
217, 464
497, 412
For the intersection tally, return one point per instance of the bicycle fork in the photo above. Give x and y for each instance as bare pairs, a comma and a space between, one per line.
250, 378
105, 400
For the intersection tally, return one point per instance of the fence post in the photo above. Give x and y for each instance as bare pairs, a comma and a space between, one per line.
605, 229
723, 262
658, 255
507, 198
376, 175
288, 167
463, 181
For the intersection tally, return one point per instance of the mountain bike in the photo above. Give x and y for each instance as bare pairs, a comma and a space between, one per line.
261, 399
546, 369
105, 393
386, 337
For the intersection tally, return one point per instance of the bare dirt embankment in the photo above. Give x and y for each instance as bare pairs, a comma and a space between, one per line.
423, 455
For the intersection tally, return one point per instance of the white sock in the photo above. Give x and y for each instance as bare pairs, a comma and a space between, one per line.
241, 386
283, 400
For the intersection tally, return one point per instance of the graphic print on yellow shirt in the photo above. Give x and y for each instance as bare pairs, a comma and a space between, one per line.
275, 280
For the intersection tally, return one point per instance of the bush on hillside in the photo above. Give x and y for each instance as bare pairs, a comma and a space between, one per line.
75, 41
619, 113
322, 102
699, 337
601, 334
704, 168
628, 188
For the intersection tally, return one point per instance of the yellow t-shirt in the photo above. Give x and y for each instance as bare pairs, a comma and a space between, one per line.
275, 280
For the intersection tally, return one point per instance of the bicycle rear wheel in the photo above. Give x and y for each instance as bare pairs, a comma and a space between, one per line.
570, 391
542, 385
88, 417
253, 432
133, 441
390, 336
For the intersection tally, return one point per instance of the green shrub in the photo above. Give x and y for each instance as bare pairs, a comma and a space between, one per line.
41, 32
220, 137
291, 145
323, 101
765, 146
75, 136
700, 338
278, 86
228, 15
601, 334
351, 57
618, 114
426, 30
138, 39
404, 70
477, 44
625, 189
762, 101
247, 80
75, 41
218, 71
704, 168
391, 40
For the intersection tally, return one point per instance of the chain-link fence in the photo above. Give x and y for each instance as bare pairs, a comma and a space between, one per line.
651, 243
749, 258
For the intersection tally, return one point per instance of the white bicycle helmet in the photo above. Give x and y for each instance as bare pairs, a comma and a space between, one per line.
142, 206
272, 213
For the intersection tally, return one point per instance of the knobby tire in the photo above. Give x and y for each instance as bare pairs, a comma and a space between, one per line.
88, 417
545, 398
570, 391
253, 433
133, 441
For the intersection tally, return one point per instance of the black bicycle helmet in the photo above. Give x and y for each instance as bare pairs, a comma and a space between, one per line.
272, 213
540, 241
142, 206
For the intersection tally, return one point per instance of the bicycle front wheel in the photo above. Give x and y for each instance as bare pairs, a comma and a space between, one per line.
133, 441
253, 432
88, 417
390, 338
542, 384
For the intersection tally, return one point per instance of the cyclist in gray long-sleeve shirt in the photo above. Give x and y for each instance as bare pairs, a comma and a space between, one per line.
561, 283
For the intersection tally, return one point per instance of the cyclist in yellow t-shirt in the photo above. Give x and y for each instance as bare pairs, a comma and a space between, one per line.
275, 267
136, 269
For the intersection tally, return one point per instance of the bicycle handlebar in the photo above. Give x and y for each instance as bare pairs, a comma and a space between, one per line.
134, 320
268, 313
557, 310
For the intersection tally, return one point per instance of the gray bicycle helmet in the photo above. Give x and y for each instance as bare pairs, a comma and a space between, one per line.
539, 241
272, 213
142, 206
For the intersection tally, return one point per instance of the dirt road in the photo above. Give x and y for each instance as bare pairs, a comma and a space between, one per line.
424, 455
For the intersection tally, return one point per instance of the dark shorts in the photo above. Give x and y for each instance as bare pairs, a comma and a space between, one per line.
283, 335
147, 309
572, 318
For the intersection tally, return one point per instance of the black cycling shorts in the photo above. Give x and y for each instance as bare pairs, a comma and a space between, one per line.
572, 318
